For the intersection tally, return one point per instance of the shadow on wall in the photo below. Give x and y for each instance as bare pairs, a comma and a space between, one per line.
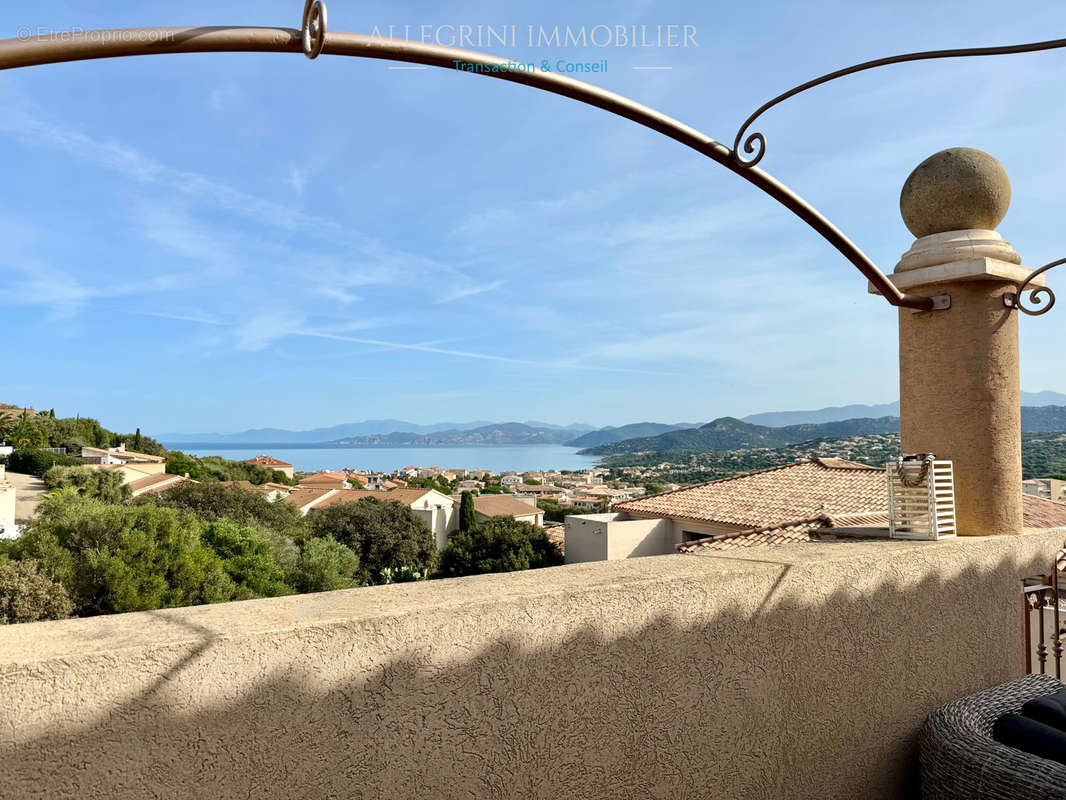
690, 679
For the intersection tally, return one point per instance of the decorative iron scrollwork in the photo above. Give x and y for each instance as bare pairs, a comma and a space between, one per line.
313, 28
1014, 299
756, 142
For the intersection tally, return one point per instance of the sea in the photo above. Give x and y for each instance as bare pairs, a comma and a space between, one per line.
311, 458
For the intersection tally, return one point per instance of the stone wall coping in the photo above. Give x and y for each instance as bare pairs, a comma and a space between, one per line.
34, 643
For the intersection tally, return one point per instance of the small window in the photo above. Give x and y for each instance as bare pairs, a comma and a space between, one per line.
693, 536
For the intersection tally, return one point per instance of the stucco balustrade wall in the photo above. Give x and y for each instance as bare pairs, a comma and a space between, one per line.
802, 672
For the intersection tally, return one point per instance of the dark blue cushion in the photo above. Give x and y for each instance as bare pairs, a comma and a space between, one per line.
1030, 736
1049, 709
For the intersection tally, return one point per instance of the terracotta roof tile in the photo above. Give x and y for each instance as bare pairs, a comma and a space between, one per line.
500, 505
407, 497
155, 483
819, 487
1039, 512
268, 461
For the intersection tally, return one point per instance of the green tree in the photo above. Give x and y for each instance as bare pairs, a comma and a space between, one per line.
325, 565
214, 468
103, 484
248, 559
213, 501
503, 544
27, 595
467, 514
383, 535
123, 558
653, 488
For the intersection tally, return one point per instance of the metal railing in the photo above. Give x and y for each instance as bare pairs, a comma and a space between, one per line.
1042, 607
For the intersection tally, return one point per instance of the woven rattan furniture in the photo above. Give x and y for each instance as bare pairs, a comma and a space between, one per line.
959, 758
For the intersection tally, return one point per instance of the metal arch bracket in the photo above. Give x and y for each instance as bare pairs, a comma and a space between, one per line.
313, 39
756, 142
941, 302
1036, 295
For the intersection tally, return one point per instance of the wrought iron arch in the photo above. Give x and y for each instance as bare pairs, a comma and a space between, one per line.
313, 39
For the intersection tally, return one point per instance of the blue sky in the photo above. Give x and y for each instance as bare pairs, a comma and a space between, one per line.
218, 242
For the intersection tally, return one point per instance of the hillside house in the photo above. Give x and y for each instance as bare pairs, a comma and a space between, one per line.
438, 511
155, 483
132, 465
782, 505
501, 505
273, 463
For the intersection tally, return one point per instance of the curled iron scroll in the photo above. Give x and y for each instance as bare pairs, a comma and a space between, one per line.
756, 142
1036, 294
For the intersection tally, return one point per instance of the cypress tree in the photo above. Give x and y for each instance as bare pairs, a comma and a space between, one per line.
467, 515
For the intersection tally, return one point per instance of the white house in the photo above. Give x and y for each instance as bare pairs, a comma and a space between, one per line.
7, 505
438, 511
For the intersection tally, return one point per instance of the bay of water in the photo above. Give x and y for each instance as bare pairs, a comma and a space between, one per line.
498, 458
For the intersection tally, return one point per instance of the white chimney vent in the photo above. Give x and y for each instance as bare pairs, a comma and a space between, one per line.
921, 498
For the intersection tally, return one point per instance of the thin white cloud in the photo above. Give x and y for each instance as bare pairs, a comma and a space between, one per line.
471, 291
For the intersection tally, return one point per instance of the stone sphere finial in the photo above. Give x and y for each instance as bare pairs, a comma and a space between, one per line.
955, 190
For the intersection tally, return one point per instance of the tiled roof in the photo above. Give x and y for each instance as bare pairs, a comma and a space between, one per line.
408, 497
325, 477
556, 532
123, 455
304, 498
803, 491
268, 461
500, 505
1038, 512
155, 483
785, 533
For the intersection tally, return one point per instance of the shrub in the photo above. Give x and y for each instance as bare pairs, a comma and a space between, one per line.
31, 461
104, 484
215, 468
503, 544
324, 565
248, 559
27, 595
123, 558
383, 535
211, 502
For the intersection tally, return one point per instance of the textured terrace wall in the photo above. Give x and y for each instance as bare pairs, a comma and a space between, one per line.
801, 672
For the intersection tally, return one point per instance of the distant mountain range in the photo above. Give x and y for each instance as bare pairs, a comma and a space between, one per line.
371, 427
393, 432
633, 431
779, 419
729, 433
505, 433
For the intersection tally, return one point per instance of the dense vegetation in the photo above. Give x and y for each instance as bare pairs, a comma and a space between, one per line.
198, 543
502, 544
102, 484
30, 433
391, 542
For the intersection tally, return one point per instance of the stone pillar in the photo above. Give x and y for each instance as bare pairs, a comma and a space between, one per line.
959, 383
